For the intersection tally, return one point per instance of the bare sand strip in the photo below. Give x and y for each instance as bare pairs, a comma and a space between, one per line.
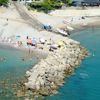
89, 11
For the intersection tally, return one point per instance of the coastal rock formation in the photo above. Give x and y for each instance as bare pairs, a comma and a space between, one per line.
45, 77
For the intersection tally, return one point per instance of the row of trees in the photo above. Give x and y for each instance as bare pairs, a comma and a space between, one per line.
48, 5
68, 2
62, 1
4, 2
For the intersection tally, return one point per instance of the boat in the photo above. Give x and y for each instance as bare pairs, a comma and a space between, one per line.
62, 32
70, 28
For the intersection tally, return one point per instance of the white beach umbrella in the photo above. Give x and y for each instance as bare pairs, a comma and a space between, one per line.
42, 40
54, 46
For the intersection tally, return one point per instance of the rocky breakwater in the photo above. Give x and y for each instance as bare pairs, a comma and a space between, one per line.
45, 77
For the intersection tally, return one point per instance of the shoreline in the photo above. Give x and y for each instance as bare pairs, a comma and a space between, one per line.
49, 74
91, 24
35, 52
71, 51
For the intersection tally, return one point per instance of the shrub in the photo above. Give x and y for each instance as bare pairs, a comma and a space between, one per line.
4, 2
45, 6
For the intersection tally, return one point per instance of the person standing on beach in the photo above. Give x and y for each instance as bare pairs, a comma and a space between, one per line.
27, 37
7, 19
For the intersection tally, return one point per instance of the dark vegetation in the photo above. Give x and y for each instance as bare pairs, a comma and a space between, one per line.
4, 3
48, 5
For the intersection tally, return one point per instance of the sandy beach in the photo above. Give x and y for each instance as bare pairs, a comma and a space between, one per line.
57, 19
12, 25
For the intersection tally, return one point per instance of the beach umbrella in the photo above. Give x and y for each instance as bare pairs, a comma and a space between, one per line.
18, 36
29, 41
42, 40
61, 43
34, 41
54, 46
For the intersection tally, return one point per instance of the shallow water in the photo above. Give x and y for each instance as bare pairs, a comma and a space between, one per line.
85, 83
12, 70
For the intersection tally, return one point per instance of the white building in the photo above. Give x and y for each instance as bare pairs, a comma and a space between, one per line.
28, 1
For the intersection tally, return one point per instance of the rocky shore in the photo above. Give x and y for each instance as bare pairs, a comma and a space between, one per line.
46, 77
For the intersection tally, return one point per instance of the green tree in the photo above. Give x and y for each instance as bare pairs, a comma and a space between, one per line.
68, 2
4, 2
48, 5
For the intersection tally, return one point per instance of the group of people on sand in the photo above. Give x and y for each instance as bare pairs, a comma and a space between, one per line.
33, 41
43, 44
40, 43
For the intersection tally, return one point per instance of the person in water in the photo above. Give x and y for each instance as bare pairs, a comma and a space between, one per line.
23, 59
2, 59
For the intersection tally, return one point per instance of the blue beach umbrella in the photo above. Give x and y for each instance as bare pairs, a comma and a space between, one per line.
34, 41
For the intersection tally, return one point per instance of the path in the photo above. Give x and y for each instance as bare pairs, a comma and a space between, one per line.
30, 20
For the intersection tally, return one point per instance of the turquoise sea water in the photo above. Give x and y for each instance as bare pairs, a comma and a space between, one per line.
85, 84
12, 70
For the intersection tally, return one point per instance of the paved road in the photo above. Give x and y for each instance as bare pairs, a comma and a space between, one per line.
30, 20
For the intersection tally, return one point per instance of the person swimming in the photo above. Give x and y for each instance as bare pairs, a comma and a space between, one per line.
2, 59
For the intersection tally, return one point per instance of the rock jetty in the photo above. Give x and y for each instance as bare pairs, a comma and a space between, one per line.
45, 77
